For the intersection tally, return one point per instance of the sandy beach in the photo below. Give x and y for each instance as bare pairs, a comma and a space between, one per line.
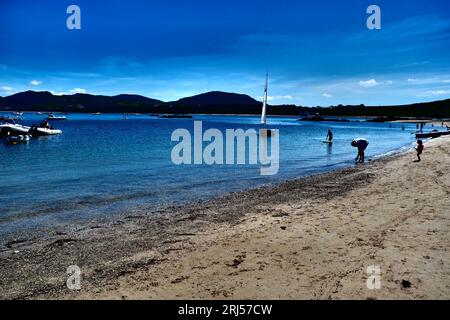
311, 238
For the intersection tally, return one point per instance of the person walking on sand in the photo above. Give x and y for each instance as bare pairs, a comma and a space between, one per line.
419, 150
330, 136
361, 144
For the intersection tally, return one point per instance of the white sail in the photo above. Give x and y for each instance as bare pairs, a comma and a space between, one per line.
263, 114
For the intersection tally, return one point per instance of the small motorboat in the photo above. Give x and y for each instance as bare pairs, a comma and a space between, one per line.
13, 128
3, 118
44, 129
18, 139
40, 131
52, 117
17, 113
433, 134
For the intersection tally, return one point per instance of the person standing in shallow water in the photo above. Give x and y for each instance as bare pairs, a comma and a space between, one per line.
330, 136
361, 144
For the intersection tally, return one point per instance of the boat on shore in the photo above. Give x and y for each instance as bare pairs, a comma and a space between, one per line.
433, 134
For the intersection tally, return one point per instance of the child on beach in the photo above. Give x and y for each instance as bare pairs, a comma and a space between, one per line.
419, 149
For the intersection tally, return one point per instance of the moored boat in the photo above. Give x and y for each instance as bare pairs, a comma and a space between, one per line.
38, 131
264, 130
44, 129
52, 117
13, 128
3, 118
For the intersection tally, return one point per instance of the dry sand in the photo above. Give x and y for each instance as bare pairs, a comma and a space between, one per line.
310, 238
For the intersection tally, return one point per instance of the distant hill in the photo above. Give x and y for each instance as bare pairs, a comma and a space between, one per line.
214, 102
435, 109
45, 101
215, 98
217, 102
209, 103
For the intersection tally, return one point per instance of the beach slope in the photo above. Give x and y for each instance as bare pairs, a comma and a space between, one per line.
311, 238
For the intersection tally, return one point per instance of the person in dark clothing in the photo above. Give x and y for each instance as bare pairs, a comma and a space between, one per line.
330, 136
45, 124
419, 149
361, 144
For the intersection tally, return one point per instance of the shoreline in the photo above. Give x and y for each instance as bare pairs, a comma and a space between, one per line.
202, 250
42, 229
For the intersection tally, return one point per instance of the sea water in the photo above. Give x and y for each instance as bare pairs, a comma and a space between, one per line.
104, 165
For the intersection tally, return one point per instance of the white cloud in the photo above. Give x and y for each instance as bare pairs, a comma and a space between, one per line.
390, 82
446, 81
326, 95
438, 92
411, 80
279, 97
35, 82
6, 88
271, 98
78, 90
55, 93
368, 83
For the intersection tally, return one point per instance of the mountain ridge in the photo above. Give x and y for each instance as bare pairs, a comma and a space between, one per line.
213, 102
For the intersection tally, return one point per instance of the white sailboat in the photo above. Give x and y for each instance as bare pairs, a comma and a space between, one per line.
263, 114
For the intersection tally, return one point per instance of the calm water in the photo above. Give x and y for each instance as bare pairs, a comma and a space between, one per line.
104, 165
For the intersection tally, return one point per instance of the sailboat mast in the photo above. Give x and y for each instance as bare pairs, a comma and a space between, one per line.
263, 114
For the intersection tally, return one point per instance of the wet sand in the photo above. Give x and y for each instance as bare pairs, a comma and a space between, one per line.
311, 238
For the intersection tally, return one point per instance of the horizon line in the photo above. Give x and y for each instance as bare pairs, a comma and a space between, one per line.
226, 92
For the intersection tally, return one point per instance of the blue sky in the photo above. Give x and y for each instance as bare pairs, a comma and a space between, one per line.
316, 52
